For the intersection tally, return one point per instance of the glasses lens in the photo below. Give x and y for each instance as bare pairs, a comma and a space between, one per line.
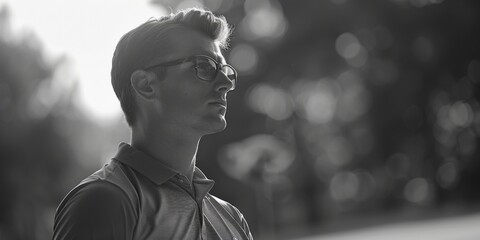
206, 68
230, 72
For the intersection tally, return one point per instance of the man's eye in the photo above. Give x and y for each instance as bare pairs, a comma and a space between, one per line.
205, 66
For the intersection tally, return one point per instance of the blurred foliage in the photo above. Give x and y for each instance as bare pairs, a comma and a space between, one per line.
45, 140
345, 110
377, 101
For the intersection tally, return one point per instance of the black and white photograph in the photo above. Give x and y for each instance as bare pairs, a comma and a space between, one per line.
239, 120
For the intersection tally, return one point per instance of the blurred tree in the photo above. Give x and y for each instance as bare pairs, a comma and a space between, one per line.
35, 151
378, 98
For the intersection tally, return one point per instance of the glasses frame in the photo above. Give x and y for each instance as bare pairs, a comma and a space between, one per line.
219, 67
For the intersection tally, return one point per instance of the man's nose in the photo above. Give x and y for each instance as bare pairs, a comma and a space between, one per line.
223, 83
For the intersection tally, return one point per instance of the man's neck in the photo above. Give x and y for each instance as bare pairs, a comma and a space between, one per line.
168, 146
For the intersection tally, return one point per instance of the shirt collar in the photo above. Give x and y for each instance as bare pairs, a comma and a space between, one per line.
154, 170
202, 183
149, 167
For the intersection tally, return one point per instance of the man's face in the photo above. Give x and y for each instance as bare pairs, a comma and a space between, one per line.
184, 100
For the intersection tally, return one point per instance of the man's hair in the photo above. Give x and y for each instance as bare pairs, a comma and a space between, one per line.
148, 41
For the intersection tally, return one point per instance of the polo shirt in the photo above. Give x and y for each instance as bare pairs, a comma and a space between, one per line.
137, 197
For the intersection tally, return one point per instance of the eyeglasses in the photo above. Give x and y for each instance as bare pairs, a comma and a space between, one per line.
206, 68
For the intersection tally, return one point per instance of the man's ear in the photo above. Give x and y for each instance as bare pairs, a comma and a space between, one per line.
142, 83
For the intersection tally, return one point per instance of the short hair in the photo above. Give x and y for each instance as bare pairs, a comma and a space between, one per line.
149, 40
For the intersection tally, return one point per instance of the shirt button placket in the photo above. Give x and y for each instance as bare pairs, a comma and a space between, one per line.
181, 180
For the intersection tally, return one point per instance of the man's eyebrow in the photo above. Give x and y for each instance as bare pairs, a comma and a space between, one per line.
212, 55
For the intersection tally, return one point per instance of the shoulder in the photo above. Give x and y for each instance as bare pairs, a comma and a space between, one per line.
112, 181
114, 175
232, 210
234, 213
94, 208
94, 195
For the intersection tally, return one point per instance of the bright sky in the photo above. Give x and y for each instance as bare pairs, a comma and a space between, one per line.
87, 31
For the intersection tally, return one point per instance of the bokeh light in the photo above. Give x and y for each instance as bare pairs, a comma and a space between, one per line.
349, 47
244, 58
447, 174
270, 101
417, 190
264, 20
344, 186
257, 153
315, 100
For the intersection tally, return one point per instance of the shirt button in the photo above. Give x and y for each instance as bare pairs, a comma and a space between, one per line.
178, 178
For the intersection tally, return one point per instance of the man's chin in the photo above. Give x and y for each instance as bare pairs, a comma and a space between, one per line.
216, 126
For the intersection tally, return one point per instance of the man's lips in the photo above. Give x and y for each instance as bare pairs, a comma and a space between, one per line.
219, 102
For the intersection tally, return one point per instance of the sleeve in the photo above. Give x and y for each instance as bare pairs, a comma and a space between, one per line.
235, 214
96, 210
243, 222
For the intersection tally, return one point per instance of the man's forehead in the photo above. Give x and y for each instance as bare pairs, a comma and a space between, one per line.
217, 55
187, 42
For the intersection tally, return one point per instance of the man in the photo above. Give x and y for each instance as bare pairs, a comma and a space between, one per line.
172, 81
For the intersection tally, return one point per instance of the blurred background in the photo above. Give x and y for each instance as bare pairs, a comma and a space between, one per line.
351, 119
